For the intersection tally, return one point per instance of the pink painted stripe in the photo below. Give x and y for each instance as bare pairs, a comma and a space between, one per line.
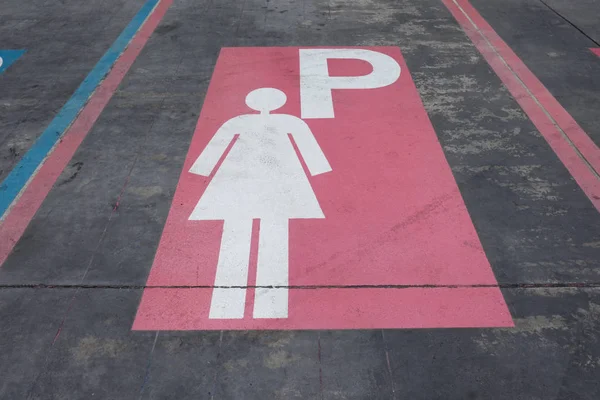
567, 139
596, 52
18, 217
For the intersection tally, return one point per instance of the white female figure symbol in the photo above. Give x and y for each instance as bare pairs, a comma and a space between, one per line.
260, 178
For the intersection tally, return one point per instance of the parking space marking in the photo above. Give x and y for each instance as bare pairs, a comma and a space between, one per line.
568, 140
37, 187
22, 173
360, 221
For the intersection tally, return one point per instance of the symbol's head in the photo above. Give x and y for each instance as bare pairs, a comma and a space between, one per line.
265, 99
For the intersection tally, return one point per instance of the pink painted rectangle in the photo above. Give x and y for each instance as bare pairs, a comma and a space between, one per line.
393, 215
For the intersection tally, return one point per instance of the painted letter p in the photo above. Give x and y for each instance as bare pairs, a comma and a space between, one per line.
316, 84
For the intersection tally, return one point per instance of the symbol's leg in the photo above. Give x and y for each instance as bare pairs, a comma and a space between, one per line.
272, 270
232, 270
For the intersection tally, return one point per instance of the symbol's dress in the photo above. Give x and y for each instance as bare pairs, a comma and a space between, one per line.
261, 176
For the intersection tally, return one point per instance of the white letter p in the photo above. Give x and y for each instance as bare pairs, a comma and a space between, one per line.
316, 84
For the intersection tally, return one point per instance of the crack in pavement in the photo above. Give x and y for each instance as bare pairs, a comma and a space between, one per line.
569, 22
556, 285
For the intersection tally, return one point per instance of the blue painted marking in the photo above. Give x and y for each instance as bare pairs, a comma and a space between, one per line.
20, 175
7, 57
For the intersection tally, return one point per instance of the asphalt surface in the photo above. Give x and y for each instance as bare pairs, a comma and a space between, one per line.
71, 286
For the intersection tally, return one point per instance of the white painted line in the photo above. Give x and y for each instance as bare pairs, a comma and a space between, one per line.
272, 270
232, 270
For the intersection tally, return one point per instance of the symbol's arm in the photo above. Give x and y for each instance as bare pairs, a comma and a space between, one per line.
310, 150
210, 156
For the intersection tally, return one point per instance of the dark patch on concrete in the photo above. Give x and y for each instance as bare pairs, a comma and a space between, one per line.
354, 365
96, 355
283, 364
181, 357
74, 169
30, 322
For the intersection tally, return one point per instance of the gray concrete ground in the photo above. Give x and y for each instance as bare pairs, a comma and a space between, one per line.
71, 337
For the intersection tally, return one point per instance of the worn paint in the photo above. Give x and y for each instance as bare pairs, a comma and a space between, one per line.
8, 57
568, 140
